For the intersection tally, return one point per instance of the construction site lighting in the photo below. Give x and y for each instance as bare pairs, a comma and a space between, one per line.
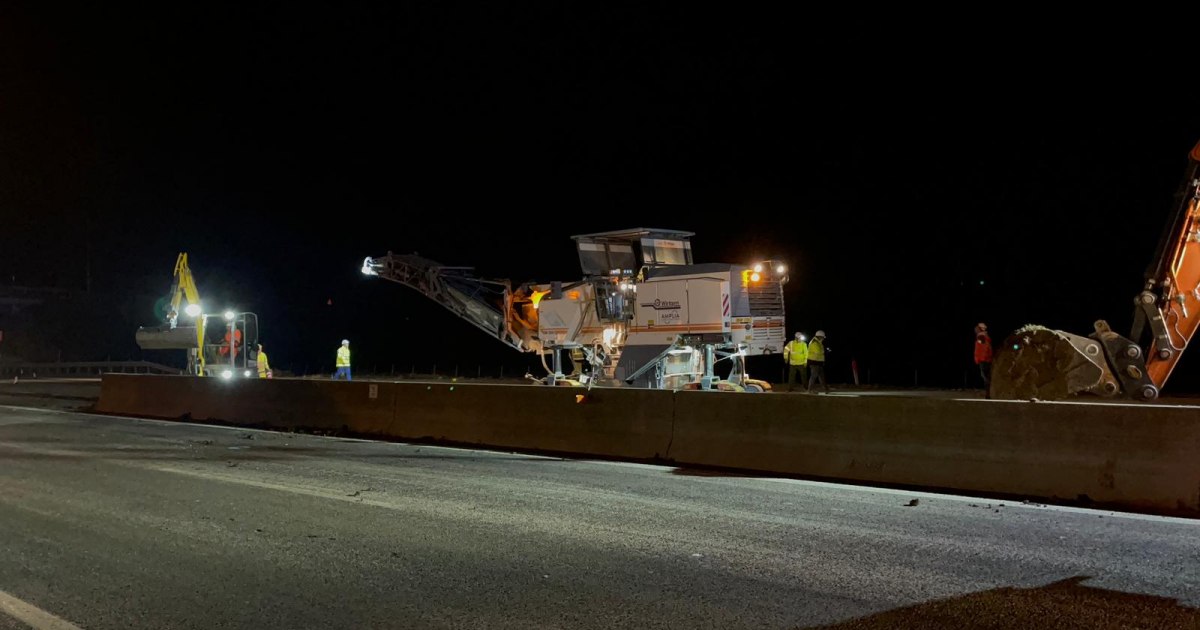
366, 268
229, 315
192, 310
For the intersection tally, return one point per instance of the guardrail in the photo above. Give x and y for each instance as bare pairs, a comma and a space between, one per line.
84, 368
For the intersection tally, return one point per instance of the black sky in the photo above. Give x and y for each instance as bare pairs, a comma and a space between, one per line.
281, 145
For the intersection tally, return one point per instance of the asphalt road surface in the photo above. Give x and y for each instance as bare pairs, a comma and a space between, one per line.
119, 523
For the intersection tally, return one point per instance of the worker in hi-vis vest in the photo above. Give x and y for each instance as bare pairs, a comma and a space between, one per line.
795, 354
264, 368
816, 361
343, 361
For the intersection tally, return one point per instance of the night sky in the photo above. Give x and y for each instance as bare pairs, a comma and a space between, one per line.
279, 146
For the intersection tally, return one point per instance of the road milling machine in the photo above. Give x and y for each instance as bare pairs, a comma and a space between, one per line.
1037, 362
644, 314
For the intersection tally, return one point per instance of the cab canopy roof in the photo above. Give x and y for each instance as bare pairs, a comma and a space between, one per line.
623, 252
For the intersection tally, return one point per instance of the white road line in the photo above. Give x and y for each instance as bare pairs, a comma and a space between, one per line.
31, 615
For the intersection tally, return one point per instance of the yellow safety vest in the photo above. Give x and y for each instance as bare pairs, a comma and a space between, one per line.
796, 352
816, 350
263, 366
343, 357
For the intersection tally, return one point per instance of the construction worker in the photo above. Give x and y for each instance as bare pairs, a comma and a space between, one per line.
237, 341
816, 361
795, 354
264, 368
343, 361
983, 353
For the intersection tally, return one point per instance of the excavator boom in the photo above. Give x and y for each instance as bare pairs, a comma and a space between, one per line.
1171, 302
171, 335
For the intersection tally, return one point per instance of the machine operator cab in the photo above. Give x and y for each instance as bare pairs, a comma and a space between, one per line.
615, 262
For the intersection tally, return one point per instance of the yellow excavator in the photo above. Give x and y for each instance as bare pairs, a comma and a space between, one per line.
1037, 362
171, 334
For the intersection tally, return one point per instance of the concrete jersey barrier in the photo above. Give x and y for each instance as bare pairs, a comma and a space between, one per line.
1125, 455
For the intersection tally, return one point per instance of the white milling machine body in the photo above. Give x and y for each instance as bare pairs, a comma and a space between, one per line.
644, 314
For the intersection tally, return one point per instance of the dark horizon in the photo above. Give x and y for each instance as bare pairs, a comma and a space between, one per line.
279, 150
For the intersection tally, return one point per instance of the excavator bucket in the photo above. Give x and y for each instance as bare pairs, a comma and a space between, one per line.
164, 338
1037, 362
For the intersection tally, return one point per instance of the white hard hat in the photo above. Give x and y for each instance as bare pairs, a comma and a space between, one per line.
820, 333
345, 342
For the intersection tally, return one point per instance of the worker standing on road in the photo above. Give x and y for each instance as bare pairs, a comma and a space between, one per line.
343, 361
264, 368
816, 361
983, 353
795, 353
